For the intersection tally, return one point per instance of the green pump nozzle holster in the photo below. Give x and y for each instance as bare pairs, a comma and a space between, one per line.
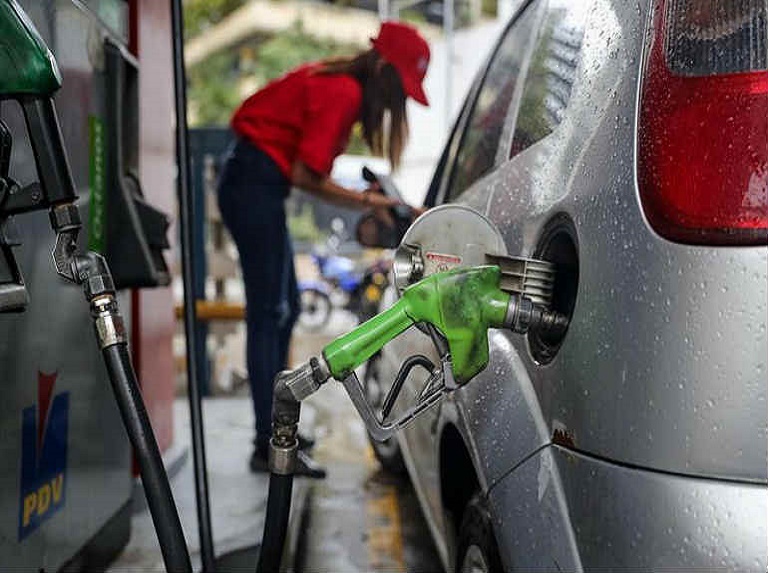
30, 76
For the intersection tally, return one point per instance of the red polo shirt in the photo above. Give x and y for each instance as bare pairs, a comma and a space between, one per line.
304, 115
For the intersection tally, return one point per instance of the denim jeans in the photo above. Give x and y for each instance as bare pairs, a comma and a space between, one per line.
252, 192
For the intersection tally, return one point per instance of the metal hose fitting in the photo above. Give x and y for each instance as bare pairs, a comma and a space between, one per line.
291, 387
520, 314
108, 322
523, 315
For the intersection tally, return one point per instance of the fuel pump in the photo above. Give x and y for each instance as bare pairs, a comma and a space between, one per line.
29, 75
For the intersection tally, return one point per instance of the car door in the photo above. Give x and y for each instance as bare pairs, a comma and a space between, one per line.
470, 154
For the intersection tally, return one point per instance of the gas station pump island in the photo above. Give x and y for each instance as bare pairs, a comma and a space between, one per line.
454, 286
69, 458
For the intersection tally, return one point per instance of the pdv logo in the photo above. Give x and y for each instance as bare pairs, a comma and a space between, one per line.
44, 428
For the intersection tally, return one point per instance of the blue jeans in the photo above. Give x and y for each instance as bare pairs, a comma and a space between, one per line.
252, 192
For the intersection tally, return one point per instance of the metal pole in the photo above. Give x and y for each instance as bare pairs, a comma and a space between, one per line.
383, 10
448, 11
186, 219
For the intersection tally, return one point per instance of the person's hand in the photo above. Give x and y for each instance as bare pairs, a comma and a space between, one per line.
376, 200
417, 211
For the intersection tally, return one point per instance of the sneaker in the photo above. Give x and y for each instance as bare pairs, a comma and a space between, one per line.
305, 465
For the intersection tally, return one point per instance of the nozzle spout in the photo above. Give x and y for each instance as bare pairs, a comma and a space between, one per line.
523, 315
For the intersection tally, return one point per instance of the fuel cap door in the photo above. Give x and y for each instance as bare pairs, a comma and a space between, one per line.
444, 238
452, 236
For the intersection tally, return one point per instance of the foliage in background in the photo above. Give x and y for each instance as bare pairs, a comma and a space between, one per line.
290, 48
490, 8
302, 226
214, 88
201, 14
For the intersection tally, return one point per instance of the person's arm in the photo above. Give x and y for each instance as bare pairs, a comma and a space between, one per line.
326, 189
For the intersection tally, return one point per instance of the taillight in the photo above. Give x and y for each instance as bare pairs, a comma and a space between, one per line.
703, 125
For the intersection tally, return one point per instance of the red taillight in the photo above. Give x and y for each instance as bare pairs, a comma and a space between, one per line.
703, 125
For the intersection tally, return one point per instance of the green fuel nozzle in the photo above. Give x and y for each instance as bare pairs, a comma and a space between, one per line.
462, 304
459, 305
30, 76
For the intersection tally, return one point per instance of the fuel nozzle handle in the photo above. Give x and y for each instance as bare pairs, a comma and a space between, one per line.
462, 304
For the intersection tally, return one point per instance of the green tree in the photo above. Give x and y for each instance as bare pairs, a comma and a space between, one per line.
213, 90
201, 14
214, 84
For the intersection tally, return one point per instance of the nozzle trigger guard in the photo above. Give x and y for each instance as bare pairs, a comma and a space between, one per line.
380, 429
394, 390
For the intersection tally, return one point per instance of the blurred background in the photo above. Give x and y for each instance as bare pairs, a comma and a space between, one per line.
233, 48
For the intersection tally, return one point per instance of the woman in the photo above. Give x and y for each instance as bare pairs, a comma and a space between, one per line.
289, 133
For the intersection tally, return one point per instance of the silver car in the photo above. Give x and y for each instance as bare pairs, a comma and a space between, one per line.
628, 143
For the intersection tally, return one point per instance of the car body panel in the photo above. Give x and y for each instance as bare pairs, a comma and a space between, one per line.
502, 436
561, 510
663, 367
645, 374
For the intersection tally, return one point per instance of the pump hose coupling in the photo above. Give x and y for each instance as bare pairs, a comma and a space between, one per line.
290, 388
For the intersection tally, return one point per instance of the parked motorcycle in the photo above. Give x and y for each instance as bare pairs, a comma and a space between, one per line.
340, 278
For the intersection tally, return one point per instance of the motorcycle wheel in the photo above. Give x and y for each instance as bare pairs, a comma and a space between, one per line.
315, 309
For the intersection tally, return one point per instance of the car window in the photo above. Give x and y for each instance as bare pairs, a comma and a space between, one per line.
485, 123
551, 72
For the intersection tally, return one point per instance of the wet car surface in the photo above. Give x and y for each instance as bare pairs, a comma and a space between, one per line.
638, 438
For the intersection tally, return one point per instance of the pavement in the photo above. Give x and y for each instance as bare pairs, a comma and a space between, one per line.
360, 518
357, 519
238, 497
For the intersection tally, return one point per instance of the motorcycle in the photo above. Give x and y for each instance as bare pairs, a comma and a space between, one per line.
362, 290
340, 278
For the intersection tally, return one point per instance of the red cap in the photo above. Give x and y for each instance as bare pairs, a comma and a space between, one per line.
403, 47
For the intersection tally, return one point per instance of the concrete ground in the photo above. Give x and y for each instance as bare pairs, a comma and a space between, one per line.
238, 497
358, 519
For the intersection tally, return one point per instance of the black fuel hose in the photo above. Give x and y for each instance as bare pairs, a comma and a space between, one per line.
156, 487
275, 522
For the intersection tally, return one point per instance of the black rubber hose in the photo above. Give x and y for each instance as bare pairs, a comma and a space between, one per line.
153, 476
275, 523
